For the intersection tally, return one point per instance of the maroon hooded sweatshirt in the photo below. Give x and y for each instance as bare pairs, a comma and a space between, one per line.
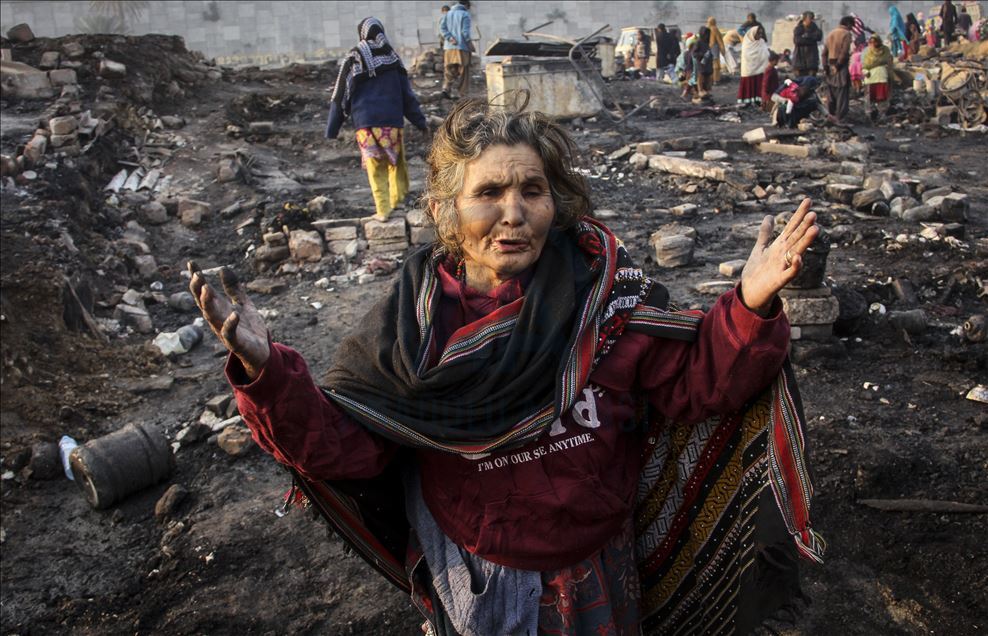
559, 498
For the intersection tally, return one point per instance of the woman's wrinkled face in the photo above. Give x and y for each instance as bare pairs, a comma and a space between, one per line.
505, 212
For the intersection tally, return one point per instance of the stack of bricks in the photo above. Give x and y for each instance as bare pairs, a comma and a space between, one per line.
384, 237
64, 134
420, 228
811, 312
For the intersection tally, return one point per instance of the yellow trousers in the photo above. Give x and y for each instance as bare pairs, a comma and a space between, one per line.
389, 184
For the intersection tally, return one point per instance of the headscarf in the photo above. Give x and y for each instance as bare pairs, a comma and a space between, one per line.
373, 53
874, 57
897, 26
911, 21
754, 54
716, 39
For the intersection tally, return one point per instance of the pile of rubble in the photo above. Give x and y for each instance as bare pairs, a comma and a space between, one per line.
286, 250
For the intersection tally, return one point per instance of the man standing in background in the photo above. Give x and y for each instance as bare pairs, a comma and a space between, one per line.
837, 57
456, 29
948, 21
807, 36
667, 46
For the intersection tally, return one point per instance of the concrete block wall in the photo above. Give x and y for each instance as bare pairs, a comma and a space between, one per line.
265, 31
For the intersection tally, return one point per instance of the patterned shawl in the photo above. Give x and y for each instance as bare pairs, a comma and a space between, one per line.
373, 53
718, 503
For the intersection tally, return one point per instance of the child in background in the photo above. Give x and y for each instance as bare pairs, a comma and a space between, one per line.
770, 81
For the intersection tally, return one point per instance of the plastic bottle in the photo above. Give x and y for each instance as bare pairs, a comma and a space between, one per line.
65, 446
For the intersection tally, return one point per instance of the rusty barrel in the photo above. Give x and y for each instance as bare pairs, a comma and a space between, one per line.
116, 465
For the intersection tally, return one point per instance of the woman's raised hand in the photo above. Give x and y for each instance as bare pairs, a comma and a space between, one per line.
234, 319
773, 263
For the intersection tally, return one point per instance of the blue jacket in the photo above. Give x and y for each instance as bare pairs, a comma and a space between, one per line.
384, 100
456, 24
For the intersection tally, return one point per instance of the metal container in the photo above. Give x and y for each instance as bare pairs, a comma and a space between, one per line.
814, 268
110, 468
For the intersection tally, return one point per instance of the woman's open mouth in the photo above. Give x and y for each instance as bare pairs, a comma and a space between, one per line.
511, 245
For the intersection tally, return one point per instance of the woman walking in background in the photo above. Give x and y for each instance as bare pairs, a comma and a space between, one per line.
372, 89
754, 60
717, 48
703, 63
914, 35
897, 31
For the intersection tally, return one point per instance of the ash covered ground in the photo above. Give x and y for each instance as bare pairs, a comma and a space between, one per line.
886, 401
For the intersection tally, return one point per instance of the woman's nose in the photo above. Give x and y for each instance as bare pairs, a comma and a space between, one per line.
513, 210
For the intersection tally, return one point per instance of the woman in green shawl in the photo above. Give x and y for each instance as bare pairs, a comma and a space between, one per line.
877, 65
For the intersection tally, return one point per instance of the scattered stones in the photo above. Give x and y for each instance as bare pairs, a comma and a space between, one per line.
172, 122
49, 60
73, 49
193, 433
893, 189
235, 441
261, 127
275, 239
684, 209
136, 317
219, 403
146, 266
35, 149
192, 212
182, 301
648, 148
714, 155
112, 70
919, 213
935, 192
320, 205
673, 245
267, 285
900, 205
850, 149
866, 199
271, 253
342, 233
638, 161
154, 213
731, 269
170, 501
20, 33
842, 192
306, 245
954, 207
620, 153
227, 170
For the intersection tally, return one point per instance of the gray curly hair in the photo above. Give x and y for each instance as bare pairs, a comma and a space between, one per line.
475, 125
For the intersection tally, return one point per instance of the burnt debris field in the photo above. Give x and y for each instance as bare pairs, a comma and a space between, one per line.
134, 155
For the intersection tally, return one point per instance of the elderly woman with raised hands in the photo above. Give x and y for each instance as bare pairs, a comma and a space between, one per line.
524, 434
